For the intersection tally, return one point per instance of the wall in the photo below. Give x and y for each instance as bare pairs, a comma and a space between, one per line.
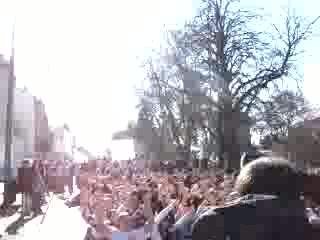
68, 143
4, 76
54, 156
42, 132
24, 119
17, 156
23, 109
58, 140
63, 141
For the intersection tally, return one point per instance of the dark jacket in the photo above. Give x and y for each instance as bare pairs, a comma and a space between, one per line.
253, 217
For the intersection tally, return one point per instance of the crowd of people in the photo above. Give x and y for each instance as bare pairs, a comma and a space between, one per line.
114, 200
120, 202
268, 199
37, 178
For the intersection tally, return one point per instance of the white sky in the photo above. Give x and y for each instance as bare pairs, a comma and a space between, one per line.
82, 57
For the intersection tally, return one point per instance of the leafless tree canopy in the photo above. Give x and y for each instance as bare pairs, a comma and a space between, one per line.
280, 112
215, 68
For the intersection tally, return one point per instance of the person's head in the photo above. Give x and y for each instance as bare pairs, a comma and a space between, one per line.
268, 175
196, 200
173, 190
116, 164
188, 181
26, 163
211, 196
153, 187
133, 200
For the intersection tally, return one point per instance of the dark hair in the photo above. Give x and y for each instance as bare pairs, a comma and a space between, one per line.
106, 189
197, 200
134, 193
138, 195
152, 184
93, 188
156, 204
236, 173
187, 182
194, 200
230, 171
272, 176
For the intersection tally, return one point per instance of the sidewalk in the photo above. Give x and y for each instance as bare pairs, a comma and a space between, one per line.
16, 225
5, 221
60, 222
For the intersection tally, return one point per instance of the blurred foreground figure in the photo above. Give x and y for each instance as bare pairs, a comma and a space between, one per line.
269, 206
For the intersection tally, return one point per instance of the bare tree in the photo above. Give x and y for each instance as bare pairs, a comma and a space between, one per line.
239, 62
276, 115
172, 109
215, 70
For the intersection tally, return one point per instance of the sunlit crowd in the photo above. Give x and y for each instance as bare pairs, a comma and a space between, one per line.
129, 202
115, 200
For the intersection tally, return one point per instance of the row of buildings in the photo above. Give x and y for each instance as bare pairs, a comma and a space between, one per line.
32, 136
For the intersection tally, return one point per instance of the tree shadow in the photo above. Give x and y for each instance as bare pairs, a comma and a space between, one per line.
13, 228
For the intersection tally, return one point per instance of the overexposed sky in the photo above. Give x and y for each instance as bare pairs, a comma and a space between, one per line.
83, 57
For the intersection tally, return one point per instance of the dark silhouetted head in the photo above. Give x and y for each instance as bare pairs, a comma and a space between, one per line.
271, 176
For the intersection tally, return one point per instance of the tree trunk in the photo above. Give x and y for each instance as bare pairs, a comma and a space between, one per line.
220, 141
234, 153
231, 146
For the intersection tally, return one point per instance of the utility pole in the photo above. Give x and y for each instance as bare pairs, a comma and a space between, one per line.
9, 193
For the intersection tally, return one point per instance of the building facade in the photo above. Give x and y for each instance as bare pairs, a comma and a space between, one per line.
42, 141
23, 121
42, 131
62, 144
4, 77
